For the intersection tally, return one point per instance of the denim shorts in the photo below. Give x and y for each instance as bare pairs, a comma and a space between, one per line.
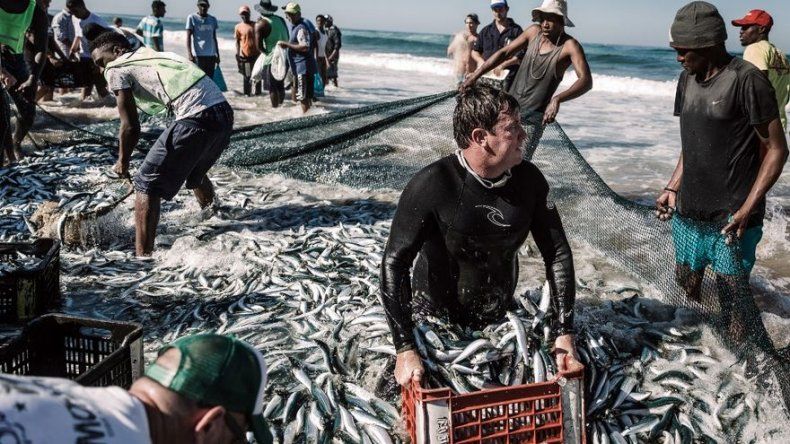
698, 246
185, 152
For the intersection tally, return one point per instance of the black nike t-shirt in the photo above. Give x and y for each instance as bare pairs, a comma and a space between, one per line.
721, 149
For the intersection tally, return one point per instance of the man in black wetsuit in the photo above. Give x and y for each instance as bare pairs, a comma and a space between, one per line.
464, 218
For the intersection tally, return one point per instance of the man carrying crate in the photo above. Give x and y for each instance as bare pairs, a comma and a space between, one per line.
464, 218
202, 389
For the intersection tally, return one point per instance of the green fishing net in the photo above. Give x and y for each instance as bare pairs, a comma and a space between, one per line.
383, 146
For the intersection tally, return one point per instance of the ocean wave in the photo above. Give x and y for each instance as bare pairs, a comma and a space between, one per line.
632, 86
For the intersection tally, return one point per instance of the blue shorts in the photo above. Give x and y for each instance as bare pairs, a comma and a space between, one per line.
698, 245
184, 152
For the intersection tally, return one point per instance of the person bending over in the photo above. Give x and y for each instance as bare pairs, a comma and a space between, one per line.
158, 82
464, 219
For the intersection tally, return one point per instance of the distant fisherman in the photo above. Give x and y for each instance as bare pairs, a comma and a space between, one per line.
461, 45
164, 82
201, 389
727, 108
270, 30
464, 218
769, 59
150, 27
333, 44
495, 36
246, 50
202, 46
301, 55
549, 53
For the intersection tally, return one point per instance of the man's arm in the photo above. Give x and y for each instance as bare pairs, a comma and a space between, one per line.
190, 56
773, 139
139, 29
216, 44
549, 236
410, 227
238, 43
667, 201
262, 30
129, 133
503, 55
302, 45
581, 86
39, 31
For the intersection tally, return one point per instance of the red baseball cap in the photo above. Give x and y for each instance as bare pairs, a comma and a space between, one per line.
755, 17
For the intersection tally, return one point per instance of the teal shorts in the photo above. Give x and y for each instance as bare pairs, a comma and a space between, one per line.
698, 245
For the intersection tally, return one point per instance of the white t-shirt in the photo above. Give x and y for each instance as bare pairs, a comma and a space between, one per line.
322, 39
37, 410
144, 82
79, 26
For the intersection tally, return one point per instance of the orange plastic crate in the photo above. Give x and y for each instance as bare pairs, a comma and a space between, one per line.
523, 414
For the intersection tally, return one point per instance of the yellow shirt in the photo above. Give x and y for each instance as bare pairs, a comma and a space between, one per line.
767, 57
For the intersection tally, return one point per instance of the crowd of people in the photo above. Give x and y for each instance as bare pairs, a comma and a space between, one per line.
451, 252
53, 54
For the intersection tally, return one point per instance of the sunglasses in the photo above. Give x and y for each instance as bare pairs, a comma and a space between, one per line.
470, 23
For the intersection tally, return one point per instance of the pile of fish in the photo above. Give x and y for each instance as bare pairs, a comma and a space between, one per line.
18, 262
512, 353
297, 277
76, 181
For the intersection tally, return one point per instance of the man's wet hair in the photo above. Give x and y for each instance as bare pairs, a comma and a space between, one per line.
75, 4
479, 107
111, 38
157, 4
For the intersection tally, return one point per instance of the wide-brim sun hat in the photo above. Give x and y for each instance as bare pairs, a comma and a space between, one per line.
556, 7
265, 7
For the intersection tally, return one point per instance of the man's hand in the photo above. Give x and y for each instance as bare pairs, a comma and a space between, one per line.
551, 111
665, 205
737, 223
192, 58
121, 168
25, 87
282, 44
7, 79
408, 368
469, 81
565, 353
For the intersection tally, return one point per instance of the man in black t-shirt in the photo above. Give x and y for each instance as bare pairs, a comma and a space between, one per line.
727, 108
496, 36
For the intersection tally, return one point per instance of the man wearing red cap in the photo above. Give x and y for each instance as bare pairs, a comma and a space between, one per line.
761, 53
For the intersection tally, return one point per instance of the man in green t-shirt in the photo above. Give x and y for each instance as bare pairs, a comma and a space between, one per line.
761, 53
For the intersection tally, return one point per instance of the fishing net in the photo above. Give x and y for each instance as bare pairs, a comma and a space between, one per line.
383, 146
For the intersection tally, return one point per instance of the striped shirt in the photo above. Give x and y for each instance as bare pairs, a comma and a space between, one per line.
151, 27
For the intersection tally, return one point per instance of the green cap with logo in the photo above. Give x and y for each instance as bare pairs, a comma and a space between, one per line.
218, 370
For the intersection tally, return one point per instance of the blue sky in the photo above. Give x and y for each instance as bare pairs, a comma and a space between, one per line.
636, 22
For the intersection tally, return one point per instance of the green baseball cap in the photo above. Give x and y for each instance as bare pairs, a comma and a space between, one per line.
218, 370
